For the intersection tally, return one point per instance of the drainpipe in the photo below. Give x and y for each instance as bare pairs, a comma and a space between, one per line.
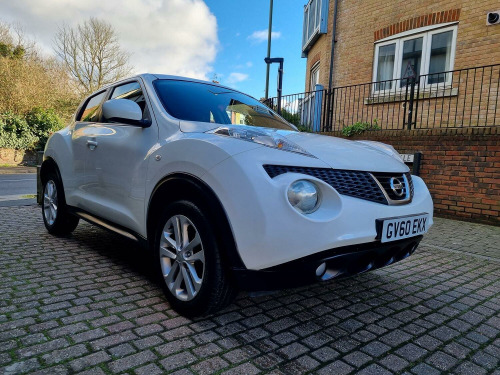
332, 55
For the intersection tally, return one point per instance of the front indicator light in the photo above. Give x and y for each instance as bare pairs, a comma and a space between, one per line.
303, 195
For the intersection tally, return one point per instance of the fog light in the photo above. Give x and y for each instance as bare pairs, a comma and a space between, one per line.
303, 195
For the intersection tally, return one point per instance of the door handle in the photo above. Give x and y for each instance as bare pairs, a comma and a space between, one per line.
91, 144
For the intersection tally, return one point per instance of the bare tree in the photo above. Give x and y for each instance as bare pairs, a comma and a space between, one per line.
92, 54
14, 43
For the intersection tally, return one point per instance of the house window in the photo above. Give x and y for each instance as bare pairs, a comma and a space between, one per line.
315, 22
426, 54
314, 77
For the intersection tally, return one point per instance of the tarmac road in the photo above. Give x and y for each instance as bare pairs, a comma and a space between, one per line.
14, 186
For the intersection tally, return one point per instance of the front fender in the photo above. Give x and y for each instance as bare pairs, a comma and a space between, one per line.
58, 148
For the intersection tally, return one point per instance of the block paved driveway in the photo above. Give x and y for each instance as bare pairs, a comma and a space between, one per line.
86, 304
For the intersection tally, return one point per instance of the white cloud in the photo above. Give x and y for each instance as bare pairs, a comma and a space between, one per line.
249, 64
261, 36
235, 77
164, 36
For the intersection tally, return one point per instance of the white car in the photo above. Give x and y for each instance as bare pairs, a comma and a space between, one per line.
225, 194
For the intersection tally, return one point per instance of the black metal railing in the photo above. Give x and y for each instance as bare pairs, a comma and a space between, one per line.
452, 99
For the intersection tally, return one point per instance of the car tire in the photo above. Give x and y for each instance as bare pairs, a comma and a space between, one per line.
189, 263
56, 217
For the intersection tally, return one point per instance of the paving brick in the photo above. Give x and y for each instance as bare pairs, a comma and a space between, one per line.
175, 361
292, 350
375, 348
147, 342
90, 360
38, 349
337, 367
411, 352
356, 359
131, 361
246, 368
61, 355
210, 366
175, 346
441, 361
20, 367
150, 369
469, 368
394, 363
374, 369
425, 369
112, 340
325, 354
207, 350
121, 350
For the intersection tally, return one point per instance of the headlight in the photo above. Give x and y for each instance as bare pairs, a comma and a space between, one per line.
265, 137
303, 196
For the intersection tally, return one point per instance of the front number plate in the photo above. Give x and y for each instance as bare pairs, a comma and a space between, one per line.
398, 228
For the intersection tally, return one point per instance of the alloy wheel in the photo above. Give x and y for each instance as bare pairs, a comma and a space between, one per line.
182, 257
50, 202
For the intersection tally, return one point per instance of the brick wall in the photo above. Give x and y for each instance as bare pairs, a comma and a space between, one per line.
360, 22
461, 167
17, 157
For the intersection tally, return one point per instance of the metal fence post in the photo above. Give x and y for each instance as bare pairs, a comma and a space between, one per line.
411, 102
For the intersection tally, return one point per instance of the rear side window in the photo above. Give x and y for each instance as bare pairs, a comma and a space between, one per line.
90, 112
132, 91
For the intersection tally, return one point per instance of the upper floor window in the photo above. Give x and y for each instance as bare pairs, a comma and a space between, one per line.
427, 56
315, 22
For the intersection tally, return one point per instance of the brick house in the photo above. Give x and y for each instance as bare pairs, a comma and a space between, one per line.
427, 73
375, 39
381, 45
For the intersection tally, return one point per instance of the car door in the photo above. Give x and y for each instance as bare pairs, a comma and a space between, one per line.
116, 167
75, 179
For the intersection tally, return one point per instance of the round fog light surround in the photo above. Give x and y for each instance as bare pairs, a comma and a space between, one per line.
303, 195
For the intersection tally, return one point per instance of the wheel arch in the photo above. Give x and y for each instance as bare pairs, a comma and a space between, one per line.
180, 186
49, 165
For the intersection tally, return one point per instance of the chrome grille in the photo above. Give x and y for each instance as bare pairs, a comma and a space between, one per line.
385, 182
357, 184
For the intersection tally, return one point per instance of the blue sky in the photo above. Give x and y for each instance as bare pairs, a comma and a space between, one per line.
239, 53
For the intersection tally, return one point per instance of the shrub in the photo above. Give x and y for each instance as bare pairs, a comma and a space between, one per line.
359, 128
42, 124
15, 132
28, 132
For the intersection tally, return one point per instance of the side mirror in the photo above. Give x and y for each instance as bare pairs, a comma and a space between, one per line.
124, 111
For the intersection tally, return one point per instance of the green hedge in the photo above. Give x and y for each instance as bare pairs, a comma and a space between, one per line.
28, 132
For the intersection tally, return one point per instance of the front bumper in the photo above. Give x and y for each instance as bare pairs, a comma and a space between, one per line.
338, 262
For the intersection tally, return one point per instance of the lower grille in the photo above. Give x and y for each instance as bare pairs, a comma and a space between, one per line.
357, 184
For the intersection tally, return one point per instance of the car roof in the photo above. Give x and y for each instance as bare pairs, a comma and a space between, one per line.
166, 76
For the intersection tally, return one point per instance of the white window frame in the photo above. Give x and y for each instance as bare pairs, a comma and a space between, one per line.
426, 33
314, 70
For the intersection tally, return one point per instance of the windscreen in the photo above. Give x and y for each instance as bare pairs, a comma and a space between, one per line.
195, 101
